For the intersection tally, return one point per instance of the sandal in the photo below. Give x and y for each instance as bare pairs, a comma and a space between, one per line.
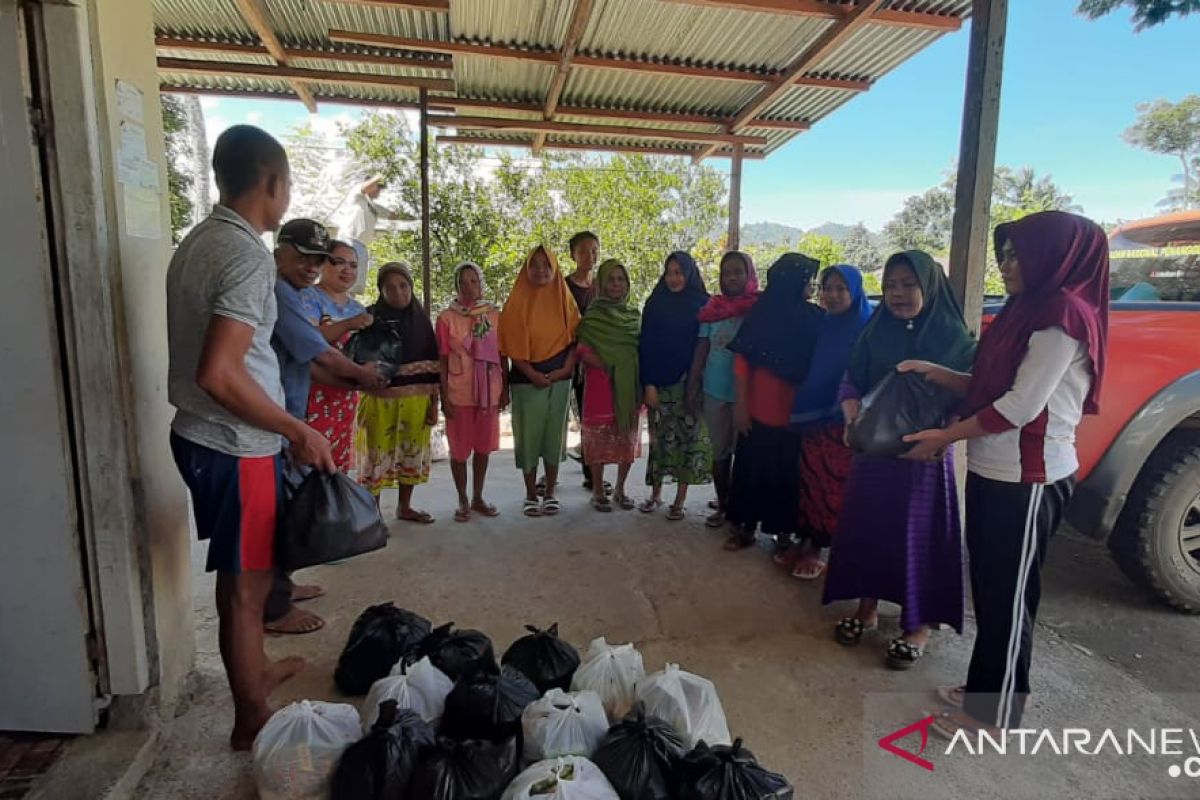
809, 572
714, 505
715, 520
551, 506
903, 654
414, 515
531, 508
601, 504
849, 630
676, 513
739, 541
462, 515
624, 502
947, 724
953, 696
486, 509
649, 505
788, 557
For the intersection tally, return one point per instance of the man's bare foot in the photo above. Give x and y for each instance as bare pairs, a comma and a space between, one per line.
295, 621
279, 671
246, 726
310, 591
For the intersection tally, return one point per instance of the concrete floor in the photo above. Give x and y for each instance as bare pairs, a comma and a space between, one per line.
1106, 656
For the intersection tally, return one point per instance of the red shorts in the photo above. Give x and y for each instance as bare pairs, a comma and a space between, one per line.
236, 504
473, 429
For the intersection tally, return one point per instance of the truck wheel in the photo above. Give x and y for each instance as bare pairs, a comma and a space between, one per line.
1157, 538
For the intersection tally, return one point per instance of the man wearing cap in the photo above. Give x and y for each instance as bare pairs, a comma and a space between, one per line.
356, 219
302, 247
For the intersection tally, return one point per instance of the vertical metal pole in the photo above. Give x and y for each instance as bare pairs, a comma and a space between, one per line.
735, 199
425, 279
969, 246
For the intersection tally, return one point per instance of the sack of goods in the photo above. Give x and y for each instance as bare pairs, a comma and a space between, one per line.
470, 770
379, 342
686, 701
639, 756
458, 653
568, 778
297, 750
380, 637
487, 706
612, 672
562, 724
728, 773
421, 688
545, 659
900, 404
329, 518
380, 765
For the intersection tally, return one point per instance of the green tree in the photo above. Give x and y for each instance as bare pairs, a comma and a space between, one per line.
1146, 13
924, 221
1172, 129
178, 151
861, 250
319, 182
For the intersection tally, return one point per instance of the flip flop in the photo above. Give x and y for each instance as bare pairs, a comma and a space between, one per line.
624, 502
551, 506
601, 504
714, 505
951, 695
486, 509
676, 513
531, 508
810, 573
419, 517
649, 505
303, 592
301, 622
462, 515
715, 520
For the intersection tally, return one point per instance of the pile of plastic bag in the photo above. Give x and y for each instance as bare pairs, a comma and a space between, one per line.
443, 721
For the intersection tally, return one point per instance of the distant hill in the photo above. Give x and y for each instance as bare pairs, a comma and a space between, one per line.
834, 230
768, 233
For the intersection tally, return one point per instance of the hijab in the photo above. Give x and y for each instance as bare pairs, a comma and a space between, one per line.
723, 306
538, 322
938, 334
817, 397
1064, 266
611, 327
419, 363
780, 330
670, 326
482, 344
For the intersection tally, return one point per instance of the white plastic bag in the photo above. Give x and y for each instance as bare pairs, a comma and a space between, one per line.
297, 750
688, 702
613, 672
421, 687
563, 724
567, 778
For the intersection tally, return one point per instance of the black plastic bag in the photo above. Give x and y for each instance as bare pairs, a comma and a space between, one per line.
380, 637
640, 756
459, 653
544, 658
328, 518
728, 773
381, 764
466, 771
487, 706
380, 342
900, 404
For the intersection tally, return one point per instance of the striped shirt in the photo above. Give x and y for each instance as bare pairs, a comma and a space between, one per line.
1031, 428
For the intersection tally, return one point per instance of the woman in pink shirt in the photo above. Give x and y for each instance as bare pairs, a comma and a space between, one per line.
474, 389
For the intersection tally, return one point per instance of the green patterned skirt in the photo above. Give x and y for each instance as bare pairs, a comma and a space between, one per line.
679, 444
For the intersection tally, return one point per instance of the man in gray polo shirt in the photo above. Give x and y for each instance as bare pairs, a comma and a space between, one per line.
230, 422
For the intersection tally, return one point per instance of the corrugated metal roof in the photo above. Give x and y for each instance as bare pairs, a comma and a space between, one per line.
637, 30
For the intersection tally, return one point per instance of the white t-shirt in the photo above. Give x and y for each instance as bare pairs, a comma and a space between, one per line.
1044, 406
358, 216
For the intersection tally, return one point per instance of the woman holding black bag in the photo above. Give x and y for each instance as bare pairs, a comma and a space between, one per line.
899, 534
1038, 371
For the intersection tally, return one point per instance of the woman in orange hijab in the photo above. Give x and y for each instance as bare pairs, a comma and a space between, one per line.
537, 332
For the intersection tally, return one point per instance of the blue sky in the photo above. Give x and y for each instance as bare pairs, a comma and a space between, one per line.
1070, 88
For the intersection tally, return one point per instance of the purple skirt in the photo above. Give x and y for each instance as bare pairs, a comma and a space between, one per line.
899, 539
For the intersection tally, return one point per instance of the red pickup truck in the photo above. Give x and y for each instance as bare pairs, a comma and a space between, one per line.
1140, 457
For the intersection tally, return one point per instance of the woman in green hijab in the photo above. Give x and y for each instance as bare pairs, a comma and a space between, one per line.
899, 537
608, 348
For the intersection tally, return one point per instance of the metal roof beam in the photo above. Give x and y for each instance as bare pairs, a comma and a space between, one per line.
484, 141
543, 127
819, 10
835, 35
190, 66
583, 60
413, 5
624, 115
238, 48
579, 21
175, 88
255, 14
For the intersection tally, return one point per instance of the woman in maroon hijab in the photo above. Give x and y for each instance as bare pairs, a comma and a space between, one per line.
1038, 370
